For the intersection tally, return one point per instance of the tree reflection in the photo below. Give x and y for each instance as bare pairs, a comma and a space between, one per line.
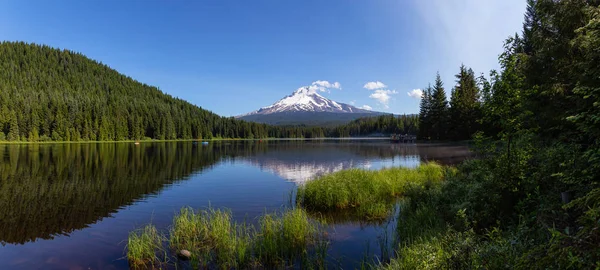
48, 190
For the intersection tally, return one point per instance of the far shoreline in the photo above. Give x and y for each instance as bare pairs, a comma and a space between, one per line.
239, 139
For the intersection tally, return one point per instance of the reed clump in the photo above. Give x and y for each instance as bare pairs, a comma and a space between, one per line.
285, 237
369, 194
215, 239
143, 245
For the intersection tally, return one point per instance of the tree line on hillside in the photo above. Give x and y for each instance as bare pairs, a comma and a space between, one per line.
533, 199
381, 125
47, 94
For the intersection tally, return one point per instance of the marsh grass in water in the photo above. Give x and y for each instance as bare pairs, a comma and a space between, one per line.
292, 238
368, 194
215, 239
210, 235
143, 245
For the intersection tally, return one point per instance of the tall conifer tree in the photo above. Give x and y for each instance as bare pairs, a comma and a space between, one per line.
425, 114
464, 105
439, 110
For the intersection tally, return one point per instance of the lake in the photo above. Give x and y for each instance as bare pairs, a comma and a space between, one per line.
71, 206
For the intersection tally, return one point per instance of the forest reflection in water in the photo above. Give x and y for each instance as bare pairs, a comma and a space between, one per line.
52, 190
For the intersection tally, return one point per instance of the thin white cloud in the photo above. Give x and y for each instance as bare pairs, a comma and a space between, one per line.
415, 93
352, 102
366, 107
383, 96
326, 84
322, 86
374, 85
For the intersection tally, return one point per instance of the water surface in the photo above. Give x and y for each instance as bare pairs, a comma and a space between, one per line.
71, 206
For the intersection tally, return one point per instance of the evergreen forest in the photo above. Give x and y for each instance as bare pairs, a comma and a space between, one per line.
47, 94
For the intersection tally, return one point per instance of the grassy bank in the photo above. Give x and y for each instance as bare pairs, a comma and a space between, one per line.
493, 216
214, 239
367, 194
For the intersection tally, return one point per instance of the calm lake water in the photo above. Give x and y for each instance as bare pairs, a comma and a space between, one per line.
71, 206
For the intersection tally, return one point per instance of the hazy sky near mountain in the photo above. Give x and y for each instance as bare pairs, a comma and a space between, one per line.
234, 57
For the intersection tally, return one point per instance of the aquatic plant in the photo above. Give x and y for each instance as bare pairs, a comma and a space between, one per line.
369, 194
215, 239
143, 245
286, 236
211, 234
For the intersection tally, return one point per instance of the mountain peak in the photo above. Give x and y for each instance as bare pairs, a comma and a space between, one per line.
305, 99
305, 90
306, 106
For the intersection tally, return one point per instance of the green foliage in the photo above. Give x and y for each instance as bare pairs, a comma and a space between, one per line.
285, 237
439, 110
539, 142
211, 234
215, 239
433, 113
143, 245
424, 114
464, 108
367, 194
381, 125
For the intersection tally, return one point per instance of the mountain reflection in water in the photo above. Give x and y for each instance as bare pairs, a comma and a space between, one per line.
308, 161
73, 204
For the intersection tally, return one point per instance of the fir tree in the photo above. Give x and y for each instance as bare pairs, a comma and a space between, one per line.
439, 110
464, 105
425, 114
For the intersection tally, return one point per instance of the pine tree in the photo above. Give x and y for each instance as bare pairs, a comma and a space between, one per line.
464, 105
425, 114
530, 25
13, 131
439, 110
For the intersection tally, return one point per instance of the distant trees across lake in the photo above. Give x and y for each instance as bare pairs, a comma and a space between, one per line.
47, 94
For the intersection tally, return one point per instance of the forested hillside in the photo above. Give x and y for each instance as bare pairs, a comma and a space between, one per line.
50, 94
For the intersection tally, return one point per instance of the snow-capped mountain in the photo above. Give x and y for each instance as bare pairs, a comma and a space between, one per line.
306, 100
306, 106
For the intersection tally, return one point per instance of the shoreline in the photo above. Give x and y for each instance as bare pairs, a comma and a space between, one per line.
239, 139
197, 140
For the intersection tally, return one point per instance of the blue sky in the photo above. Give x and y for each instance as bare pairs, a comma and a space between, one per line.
233, 57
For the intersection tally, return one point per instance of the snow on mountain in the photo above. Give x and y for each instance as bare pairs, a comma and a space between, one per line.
307, 100
300, 172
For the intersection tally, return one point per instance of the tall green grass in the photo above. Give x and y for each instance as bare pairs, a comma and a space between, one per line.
286, 237
215, 239
212, 237
143, 246
369, 194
